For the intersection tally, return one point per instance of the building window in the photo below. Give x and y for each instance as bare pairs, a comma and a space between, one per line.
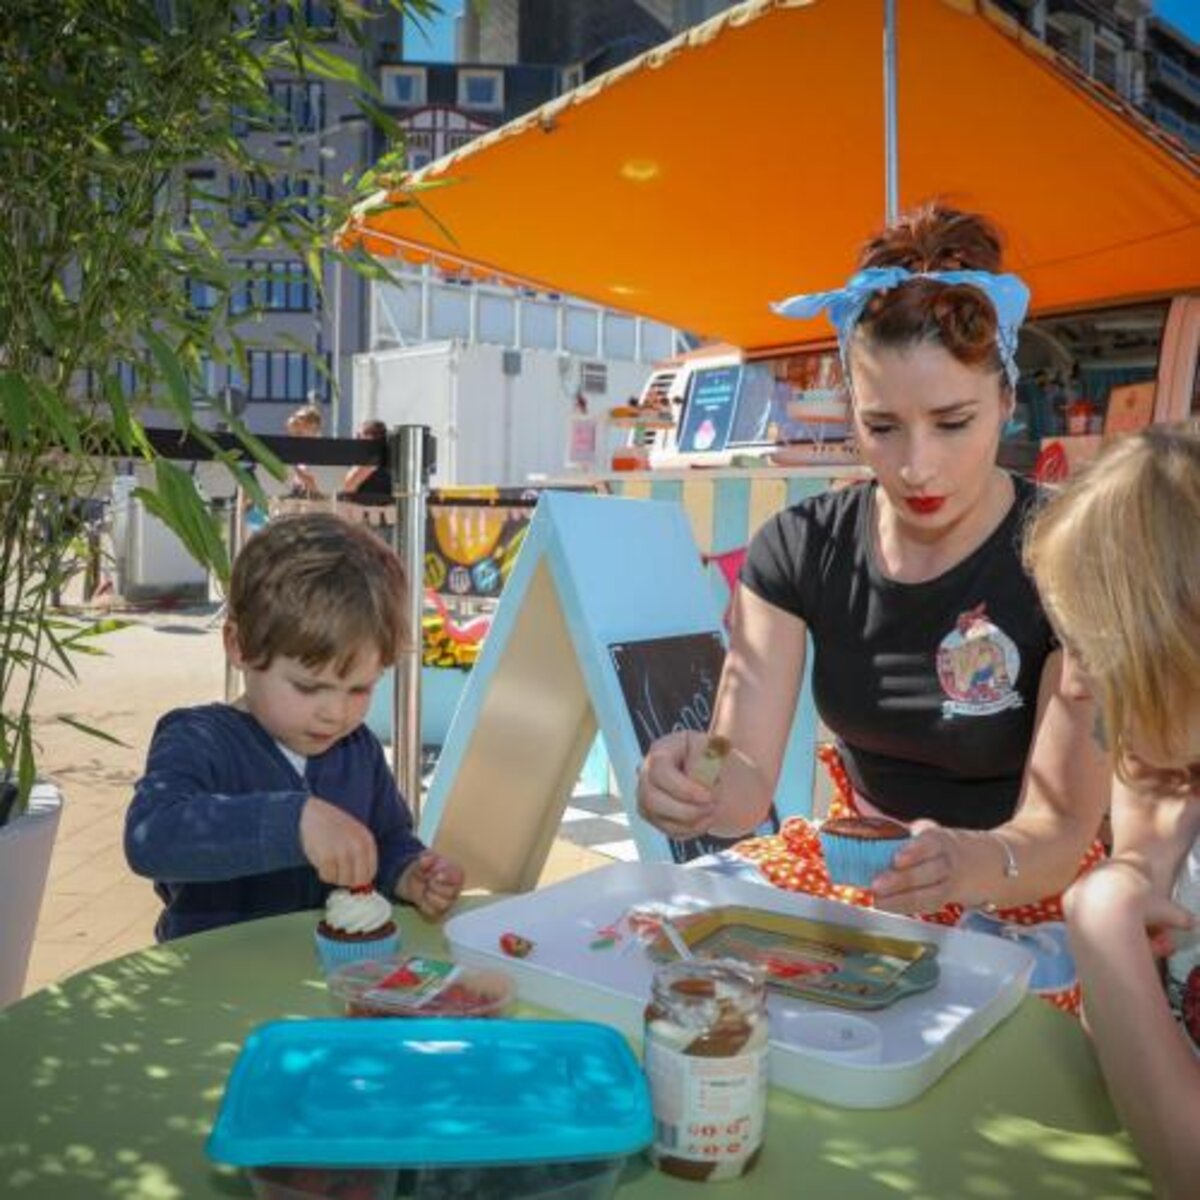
481, 89
253, 196
298, 105
404, 86
620, 336
456, 141
200, 199
279, 15
202, 296
580, 328
274, 285
285, 375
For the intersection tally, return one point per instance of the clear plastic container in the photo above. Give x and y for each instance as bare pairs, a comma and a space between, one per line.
581, 1180
333, 1183
419, 987
443, 1109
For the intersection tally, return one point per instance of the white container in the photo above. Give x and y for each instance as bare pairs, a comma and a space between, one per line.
576, 969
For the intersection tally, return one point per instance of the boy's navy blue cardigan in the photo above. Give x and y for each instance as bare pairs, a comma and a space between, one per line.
215, 821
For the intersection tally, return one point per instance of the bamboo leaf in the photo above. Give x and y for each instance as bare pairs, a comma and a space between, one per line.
26, 768
57, 415
92, 731
174, 375
17, 407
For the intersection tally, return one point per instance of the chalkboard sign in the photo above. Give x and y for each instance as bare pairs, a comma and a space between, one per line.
670, 683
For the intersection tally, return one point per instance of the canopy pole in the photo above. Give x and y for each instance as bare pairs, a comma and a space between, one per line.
890, 150
412, 453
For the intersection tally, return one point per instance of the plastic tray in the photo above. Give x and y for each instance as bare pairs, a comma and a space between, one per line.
590, 959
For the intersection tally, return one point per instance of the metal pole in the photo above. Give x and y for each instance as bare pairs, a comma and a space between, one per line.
890, 149
233, 680
410, 448
336, 399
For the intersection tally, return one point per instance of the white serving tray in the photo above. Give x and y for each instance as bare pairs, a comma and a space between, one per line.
982, 980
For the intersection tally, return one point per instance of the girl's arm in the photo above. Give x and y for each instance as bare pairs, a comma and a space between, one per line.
754, 709
1064, 796
1151, 1071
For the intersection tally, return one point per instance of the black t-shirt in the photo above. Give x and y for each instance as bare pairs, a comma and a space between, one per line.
931, 688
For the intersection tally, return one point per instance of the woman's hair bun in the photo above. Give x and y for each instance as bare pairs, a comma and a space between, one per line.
958, 317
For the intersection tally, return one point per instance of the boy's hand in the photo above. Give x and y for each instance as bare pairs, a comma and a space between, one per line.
341, 848
431, 883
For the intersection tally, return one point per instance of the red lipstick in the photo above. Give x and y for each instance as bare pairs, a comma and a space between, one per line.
925, 504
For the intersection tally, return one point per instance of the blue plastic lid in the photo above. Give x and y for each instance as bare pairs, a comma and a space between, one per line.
437, 1092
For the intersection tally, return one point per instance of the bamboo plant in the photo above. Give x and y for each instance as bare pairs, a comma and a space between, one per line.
104, 107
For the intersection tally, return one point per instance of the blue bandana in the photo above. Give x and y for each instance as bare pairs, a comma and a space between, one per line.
1008, 296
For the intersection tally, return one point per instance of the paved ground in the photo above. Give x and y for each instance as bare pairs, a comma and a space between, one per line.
95, 909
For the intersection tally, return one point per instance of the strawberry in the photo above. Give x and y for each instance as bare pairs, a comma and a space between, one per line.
515, 946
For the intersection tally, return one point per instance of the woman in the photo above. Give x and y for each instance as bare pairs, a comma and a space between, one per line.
1117, 558
934, 664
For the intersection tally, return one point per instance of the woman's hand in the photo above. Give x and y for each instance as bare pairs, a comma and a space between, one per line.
926, 873
667, 797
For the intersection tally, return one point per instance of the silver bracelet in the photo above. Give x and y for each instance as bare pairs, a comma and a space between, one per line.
1011, 870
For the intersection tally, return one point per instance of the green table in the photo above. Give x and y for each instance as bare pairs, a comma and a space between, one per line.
110, 1082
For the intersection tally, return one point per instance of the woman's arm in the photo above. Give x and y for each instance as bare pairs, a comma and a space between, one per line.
754, 709
1064, 795
356, 477
1112, 914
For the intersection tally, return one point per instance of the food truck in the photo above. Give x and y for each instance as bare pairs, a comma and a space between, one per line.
1085, 375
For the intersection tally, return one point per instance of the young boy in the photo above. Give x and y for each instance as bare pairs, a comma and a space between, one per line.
263, 806
1117, 559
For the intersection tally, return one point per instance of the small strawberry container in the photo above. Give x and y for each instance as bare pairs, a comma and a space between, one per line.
415, 986
441, 1108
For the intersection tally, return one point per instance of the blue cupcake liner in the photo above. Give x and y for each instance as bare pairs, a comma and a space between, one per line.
857, 861
333, 953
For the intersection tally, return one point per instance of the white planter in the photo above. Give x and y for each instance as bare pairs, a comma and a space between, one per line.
25, 846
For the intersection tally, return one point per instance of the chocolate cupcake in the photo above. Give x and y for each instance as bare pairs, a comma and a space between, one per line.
857, 849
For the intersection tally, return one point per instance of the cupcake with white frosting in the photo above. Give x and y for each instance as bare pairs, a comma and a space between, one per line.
358, 924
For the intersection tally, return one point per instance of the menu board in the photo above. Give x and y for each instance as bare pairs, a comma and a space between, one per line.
708, 418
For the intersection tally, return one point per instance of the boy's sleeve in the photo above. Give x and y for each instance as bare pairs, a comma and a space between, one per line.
392, 823
185, 824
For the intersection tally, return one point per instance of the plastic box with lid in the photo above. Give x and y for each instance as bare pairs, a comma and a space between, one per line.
441, 1107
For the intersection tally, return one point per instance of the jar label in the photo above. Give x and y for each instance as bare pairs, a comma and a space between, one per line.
708, 1110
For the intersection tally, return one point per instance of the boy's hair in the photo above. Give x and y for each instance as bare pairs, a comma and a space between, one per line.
1116, 557
319, 589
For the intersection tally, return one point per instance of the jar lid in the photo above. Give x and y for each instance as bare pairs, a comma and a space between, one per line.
708, 979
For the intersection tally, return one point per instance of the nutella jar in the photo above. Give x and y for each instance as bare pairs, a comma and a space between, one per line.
705, 1055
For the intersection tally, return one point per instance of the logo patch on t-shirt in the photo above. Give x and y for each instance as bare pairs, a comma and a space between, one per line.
977, 666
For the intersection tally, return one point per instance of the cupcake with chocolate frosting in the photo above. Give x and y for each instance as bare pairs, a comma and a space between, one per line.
357, 925
857, 849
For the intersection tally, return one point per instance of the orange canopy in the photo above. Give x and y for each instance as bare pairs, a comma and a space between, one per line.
744, 162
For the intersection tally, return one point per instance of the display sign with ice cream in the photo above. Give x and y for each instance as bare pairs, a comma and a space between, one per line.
708, 416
